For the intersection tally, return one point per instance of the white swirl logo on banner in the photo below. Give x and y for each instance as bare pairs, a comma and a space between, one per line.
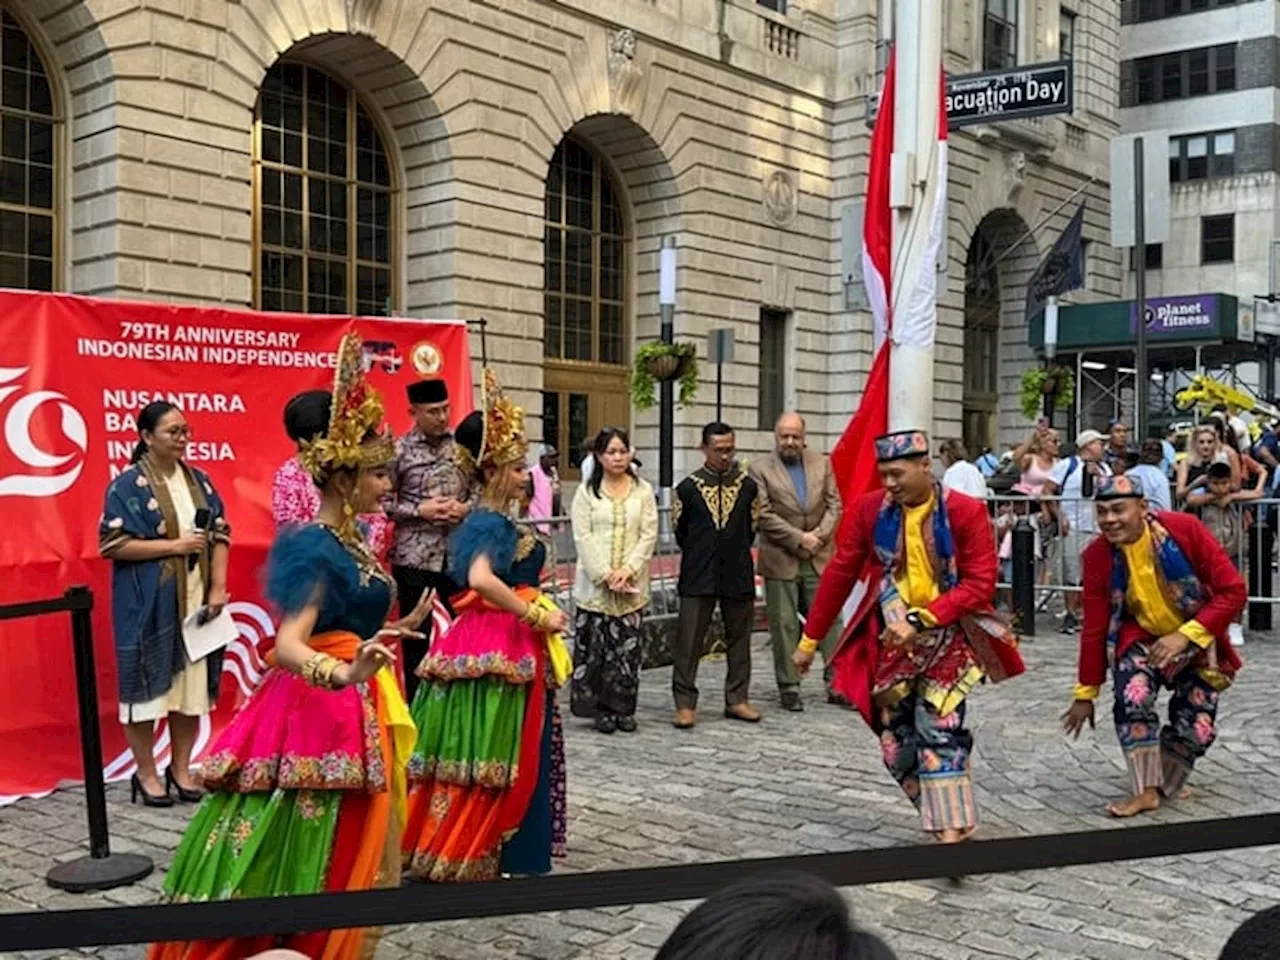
17, 435
241, 659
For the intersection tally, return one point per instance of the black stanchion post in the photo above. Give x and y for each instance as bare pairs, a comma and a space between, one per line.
102, 869
1024, 577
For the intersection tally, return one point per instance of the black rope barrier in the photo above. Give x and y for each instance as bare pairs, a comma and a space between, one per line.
102, 869
418, 903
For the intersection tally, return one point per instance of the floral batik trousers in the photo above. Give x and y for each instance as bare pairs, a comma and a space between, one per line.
1161, 757
928, 755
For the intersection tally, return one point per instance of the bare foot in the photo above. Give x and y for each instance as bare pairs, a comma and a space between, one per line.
1147, 800
954, 836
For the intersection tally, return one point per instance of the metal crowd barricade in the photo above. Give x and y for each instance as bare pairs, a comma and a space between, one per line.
1254, 555
664, 568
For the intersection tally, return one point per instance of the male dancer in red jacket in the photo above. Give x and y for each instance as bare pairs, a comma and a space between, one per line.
925, 633
1159, 597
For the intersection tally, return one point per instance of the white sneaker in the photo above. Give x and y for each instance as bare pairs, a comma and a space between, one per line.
1235, 633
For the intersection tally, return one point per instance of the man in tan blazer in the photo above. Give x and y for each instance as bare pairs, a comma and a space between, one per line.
799, 514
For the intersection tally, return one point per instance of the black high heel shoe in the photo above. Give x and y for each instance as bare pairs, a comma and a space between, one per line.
148, 800
185, 795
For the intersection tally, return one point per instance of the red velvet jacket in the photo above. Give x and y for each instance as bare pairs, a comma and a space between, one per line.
856, 557
1224, 590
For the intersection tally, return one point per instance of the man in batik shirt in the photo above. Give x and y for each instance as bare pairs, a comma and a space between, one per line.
431, 498
1160, 595
924, 634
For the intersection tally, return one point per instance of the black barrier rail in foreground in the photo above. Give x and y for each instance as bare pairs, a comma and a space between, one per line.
64, 929
102, 869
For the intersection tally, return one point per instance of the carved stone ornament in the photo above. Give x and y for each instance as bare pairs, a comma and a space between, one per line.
780, 198
1015, 173
360, 14
626, 77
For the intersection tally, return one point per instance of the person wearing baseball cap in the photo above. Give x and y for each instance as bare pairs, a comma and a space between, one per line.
1160, 595
1070, 485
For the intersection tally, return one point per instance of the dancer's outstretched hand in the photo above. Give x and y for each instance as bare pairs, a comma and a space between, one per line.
1080, 713
373, 656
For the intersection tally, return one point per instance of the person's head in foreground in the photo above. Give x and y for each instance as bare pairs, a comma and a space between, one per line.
1258, 938
780, 916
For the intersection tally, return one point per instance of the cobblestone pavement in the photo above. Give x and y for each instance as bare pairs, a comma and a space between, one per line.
813, 782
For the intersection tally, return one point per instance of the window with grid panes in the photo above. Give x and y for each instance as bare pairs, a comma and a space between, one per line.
585, 246
1160, 9
1202, 156
1218, 238
1066, 34
1187, 73
1000, 35
28, 204
325, 198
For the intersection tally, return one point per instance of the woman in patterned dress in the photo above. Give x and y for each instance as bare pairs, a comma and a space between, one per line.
483, 776
165, 531
306, 786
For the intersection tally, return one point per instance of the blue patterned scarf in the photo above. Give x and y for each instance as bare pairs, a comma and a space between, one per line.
890, 544
1178, 582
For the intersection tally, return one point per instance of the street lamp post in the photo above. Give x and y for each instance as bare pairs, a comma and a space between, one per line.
666, 395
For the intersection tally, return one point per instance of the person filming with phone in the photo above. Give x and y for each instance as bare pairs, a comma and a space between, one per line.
165, 531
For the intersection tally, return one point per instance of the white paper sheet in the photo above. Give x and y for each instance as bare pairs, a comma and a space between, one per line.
203, 639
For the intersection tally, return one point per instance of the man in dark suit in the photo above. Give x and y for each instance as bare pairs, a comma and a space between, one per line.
714, 513
923, 635
1160, 596
799, 513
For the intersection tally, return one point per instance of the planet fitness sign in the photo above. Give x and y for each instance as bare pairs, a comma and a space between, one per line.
1184, 318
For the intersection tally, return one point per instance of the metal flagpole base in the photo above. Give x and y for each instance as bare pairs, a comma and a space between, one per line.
101, 873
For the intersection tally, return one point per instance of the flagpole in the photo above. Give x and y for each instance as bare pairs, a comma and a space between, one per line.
918, 43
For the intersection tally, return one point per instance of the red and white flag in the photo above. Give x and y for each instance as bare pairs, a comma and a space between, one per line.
853, 461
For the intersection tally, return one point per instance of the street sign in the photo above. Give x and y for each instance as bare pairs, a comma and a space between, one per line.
720, 345
1034, 90
1155, 185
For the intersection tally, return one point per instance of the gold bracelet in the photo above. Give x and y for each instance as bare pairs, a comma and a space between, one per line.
807, 645
318, 670
532, 615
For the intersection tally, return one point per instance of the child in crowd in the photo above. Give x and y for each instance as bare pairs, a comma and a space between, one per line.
1007, 514
1219, 509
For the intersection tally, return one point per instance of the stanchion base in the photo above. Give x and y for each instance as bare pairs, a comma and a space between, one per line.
87, 873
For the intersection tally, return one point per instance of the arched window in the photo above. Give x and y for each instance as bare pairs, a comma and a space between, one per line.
324, 216
584, 336
28, 160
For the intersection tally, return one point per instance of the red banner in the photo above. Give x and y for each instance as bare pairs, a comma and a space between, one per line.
74, 373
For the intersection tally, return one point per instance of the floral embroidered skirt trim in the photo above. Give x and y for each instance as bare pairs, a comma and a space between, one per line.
282, 843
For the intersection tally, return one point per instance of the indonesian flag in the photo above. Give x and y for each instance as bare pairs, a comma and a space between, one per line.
853, 461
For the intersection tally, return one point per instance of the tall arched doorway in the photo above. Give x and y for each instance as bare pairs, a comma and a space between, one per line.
981, 346
1002, 255
585, 335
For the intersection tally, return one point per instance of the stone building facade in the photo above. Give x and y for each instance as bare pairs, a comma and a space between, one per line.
521, 161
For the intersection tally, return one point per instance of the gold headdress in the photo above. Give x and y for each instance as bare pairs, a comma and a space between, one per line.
357, 436
502, 437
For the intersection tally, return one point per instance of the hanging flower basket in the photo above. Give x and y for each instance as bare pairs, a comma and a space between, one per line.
1041, 382
657, 362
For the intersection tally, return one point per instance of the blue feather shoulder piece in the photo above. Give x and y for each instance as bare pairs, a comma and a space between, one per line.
483, 534
307, 565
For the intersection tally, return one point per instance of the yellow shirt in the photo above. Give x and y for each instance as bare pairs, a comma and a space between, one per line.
916, 581
1148, 603
917, 585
